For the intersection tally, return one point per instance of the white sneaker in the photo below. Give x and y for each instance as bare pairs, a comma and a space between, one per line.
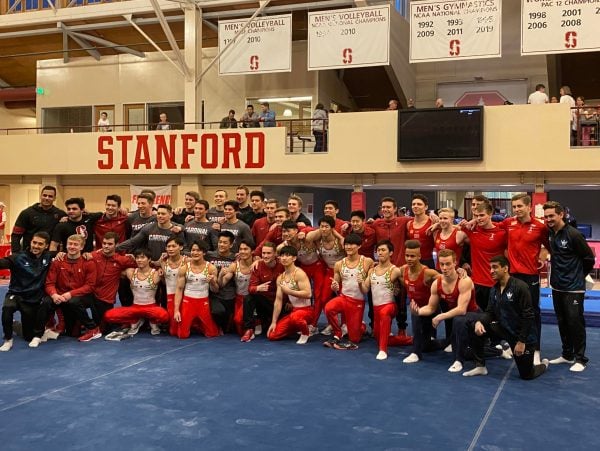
35, 342
327, 331
455, 367
49, 334
7, 345
477, 371
412, 358
154, 329
561, 359
448, 348
578, 367
312, 330
545, 362
536, 358
381, 355
507, 354
302, 340
344, 330
258, 329
135, 327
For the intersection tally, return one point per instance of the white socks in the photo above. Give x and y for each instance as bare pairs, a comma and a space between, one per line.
381, 355
477, 371
455, 367
412, 358
7, 345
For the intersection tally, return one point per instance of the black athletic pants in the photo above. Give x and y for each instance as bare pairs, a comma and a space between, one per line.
29, 310
222, 311
533, 282
571, 324
263, 307
79, 305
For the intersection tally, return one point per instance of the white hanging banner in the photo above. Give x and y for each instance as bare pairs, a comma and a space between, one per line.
450, 30
264, 46
163, 195
356, 37
560, 26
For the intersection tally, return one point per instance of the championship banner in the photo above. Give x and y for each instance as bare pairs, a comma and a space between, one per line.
559, 26
163, 195
344, 38
450, 30
264, 46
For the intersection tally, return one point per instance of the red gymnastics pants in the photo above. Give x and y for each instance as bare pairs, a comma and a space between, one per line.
382, 325
173, 325
322, 292
353, 309
238, 314
297, 321
132, 314
197, 308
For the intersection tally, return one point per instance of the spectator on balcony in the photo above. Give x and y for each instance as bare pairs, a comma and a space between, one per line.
164, 122
553, 99
267, 116
539, 97
2, 221
229, 121
104, 123
392, 105
566, 97
439, 102
250, 119
319, 128
410, 104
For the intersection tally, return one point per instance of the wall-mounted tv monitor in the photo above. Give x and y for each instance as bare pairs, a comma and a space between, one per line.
440, 134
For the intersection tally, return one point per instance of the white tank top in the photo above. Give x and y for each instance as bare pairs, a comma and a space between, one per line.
349, 279
382, 288
144, 291
307, 255
293, 285
333, 255
242, 281
196, 284
171, 278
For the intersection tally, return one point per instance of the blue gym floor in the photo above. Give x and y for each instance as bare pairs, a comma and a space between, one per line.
161, 393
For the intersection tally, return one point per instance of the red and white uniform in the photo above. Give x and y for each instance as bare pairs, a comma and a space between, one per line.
329, 257
144, 303
313, 266
450, 300
485, 244
242, 281
350, 303
384, 307
420, 234
299, 317
195, 304
171, 284
448, 243
524, 243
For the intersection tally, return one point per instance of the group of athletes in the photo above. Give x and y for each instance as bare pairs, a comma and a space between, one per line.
249, 266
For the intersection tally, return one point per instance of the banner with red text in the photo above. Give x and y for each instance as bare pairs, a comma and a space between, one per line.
263, 46
346, 38
559, 26
163, 195
449, 30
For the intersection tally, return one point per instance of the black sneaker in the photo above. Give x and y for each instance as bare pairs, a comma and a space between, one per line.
331, 343
345, 345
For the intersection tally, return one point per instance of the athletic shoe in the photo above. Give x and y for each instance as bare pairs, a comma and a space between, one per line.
35, 342
327, 331
412, 358
258, 329
302, 340
456, 367
545, 362
91, 334
561, 359
536, 358
577, 367
6, 346
381, 355
345, 345
115, 335
312, 330
507, 354
448, 348
331, 342
154, 329
477, 371
135, 327
248, 336
49, 334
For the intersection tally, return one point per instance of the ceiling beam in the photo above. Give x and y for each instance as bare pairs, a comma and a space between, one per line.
172, 41
107, 43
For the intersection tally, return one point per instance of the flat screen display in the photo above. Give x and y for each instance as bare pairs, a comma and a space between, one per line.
440, 134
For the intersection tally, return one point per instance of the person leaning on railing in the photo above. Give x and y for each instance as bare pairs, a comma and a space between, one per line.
319, 128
